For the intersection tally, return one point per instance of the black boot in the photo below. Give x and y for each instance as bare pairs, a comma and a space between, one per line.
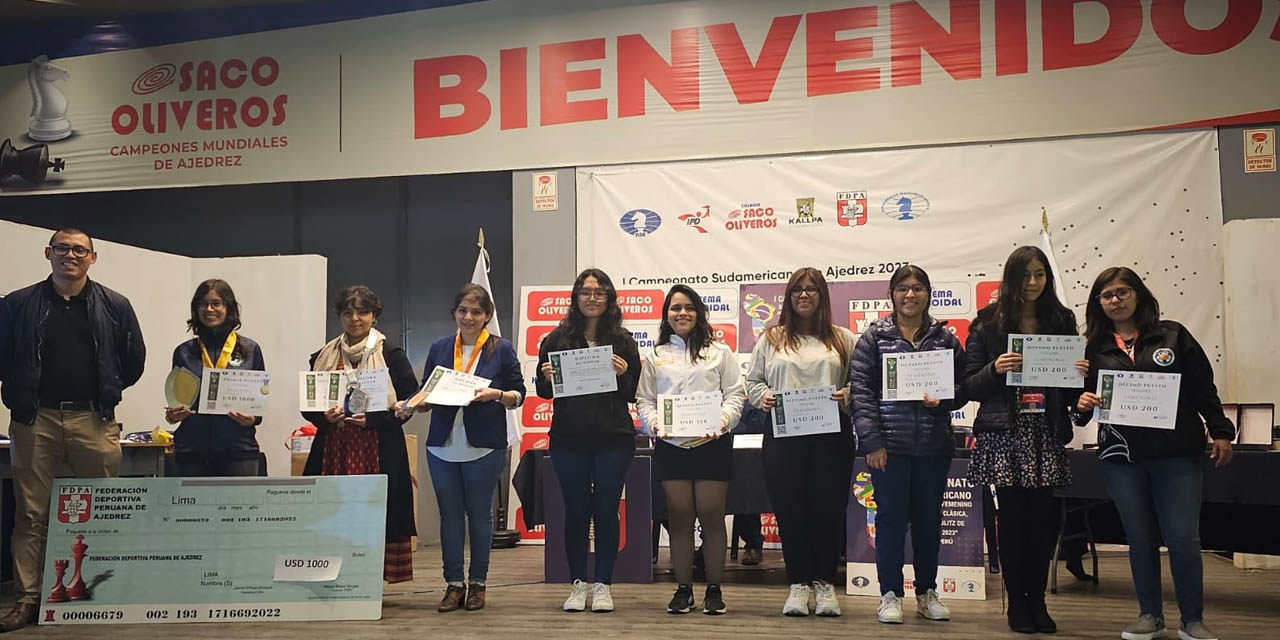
1075, 565
1040, 615
1020, 615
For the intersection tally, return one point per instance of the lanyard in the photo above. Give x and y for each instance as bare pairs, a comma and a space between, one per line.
475, 353
1127, 348
223, 358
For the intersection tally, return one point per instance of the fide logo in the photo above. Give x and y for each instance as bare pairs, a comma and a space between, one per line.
75, 504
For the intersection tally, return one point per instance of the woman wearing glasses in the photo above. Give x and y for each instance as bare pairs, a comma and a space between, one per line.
694, 471
1021, 432
213, 445
908, 444
807, 475
592, 436
1155, 476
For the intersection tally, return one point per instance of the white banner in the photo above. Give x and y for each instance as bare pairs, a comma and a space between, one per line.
737, 229
516, 84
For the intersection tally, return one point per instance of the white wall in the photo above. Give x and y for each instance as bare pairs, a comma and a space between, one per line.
283, 308
1252, 270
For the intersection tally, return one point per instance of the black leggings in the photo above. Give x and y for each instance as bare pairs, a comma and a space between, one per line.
808, 478
1026, 522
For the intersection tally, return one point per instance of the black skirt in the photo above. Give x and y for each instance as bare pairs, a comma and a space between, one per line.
711, 461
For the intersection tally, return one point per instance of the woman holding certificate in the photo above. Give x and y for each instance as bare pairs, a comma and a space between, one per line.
215, 445
1021, 431
1154, 472
591, 366
690, 393
466, 445
352, 441
800, 374
908, 443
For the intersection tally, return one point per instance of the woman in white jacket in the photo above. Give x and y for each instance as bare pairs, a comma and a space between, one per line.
694, 470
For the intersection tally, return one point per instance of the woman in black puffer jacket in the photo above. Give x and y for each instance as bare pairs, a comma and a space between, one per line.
908, 444
1021, 432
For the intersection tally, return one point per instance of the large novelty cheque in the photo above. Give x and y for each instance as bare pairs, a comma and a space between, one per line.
136, 550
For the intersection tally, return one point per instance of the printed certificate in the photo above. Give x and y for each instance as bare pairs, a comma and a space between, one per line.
1047, 361
690, 415
1138, 399
226, 390
805, 412
580, 372
135, 550
909, 376
448, 387
320, 390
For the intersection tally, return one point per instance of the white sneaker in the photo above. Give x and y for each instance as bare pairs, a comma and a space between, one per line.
601, 598
797, 601
1196, 631
577, 600
890, 609
825, 593
928, 606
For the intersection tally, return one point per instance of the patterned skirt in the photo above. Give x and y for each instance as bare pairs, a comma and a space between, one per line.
1029, 455
353, 451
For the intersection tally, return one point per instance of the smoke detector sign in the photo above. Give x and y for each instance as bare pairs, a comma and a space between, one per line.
544, 192
1259, 150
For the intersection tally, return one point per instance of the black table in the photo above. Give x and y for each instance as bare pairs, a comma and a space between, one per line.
1241, 507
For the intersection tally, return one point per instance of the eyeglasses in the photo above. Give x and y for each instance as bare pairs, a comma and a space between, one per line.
1120, 295
918, 289
798, 291
212, 304
587, 294
78, 251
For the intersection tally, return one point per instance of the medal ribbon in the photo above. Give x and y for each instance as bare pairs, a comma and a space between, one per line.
1126, 348
475, 353
223, 358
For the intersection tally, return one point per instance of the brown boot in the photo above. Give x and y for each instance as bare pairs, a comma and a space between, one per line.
751, 557
452, 599
22, 614
475, 597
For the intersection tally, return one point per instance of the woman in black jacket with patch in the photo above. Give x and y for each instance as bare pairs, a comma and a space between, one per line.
1155, 476
908, 444
1021, 432
592, 436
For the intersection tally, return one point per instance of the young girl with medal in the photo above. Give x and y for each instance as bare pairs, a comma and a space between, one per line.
213, 445
1155, 476
1021, 432
694, 471
370, 442
466, 446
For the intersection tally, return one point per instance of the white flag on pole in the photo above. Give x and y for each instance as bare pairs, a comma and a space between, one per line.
480, 276
1046, 245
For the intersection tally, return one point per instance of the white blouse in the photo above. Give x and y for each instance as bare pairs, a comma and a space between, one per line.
667, 368
811, 365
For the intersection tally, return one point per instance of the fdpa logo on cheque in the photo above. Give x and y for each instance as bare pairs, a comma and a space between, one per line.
640, 222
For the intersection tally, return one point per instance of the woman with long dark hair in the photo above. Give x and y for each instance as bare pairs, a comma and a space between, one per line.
370, 442
592, 436
908, 444
807, 476
210, 445
1155, 476
694, 471
466, 446
1021, 432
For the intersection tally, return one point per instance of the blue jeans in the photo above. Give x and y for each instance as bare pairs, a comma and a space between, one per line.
909, 491
464, 491
1161, 497
591, 484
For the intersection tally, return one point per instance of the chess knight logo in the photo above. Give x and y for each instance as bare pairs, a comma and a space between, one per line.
75, 504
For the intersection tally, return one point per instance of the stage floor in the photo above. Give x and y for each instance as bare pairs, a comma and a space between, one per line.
1239, 604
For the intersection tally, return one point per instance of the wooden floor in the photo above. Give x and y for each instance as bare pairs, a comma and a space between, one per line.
1239, 604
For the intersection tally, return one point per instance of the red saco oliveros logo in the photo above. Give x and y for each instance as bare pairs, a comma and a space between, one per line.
533, 337
548, 305
726, 333
537, 413
202, 111
640, 304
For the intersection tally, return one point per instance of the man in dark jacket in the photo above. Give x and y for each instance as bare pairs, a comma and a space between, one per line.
68, 348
